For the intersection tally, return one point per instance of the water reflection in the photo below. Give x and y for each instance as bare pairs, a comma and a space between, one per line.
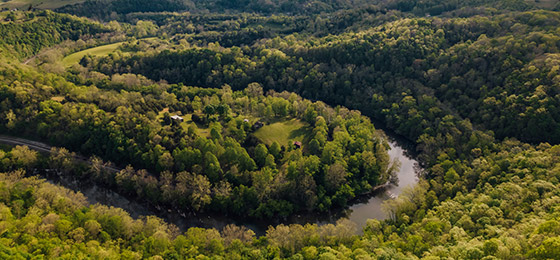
362, 208
407, 174
368, 206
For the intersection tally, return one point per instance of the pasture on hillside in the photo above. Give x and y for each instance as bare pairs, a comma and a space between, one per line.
96, 51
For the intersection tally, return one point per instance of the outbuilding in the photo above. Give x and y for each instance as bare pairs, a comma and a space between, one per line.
257, 125
177, 118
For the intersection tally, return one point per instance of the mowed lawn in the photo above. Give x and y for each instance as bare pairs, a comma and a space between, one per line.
187, 121
284, 132
200, 130
96, 51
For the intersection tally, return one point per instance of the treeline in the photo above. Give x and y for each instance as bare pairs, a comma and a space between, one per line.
28, 32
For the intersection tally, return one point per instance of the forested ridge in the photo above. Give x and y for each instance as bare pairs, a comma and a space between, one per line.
493, 54
24, 34
119, 9
216, 116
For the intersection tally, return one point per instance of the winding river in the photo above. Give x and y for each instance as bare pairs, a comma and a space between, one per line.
408, 177
369, 206
362, 209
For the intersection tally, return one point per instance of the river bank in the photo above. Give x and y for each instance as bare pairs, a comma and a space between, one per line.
362, 208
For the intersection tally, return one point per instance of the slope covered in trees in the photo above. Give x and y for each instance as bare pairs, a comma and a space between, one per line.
23, 34
474, 65
464, 86
119, 9
113, 9
227, 170
512, 213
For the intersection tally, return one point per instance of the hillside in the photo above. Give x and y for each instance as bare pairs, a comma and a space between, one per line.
23, 34
263, 111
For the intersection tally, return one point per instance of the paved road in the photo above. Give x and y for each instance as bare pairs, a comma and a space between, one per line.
42, 147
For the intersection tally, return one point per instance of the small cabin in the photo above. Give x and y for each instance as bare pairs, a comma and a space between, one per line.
297, 144
246, 120
177, 118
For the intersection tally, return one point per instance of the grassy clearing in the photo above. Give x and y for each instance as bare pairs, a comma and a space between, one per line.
19, 17
58, 98
284, 132
97, 51
201, 131
187, 121
163, 111
41, 4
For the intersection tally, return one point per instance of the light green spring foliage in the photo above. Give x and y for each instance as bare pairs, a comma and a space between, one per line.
442, 82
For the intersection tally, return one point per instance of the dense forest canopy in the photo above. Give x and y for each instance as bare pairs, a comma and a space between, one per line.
259, 109
216, 150
24, 34
120, 9
466, 68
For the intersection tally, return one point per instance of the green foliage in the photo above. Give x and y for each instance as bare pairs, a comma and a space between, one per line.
117, 9
191, 171
111, 9
31, 32
460, 86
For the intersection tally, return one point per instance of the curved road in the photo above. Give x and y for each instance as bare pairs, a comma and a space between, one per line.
45, 148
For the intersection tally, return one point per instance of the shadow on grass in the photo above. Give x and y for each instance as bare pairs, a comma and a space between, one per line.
304, 131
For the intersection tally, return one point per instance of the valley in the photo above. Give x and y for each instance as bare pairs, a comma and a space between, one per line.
180, 129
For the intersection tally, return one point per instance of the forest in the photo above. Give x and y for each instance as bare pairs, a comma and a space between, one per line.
264, 110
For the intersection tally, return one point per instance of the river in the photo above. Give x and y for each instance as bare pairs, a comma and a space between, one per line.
361, 209
407, 175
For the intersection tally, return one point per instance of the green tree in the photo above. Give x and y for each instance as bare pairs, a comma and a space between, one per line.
22, 156
261, 152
